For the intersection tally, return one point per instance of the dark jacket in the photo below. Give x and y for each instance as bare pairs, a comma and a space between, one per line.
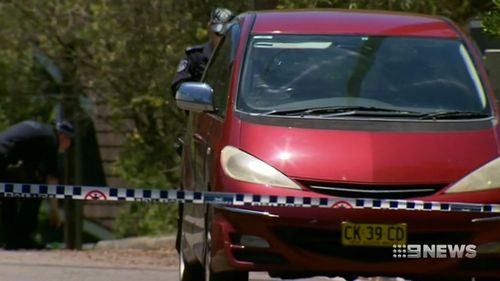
32, 144
192, 65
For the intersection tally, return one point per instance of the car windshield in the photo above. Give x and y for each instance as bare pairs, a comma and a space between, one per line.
291, 73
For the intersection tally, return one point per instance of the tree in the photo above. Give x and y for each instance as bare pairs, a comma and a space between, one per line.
122, 54
457, 10
24, 87
491, 19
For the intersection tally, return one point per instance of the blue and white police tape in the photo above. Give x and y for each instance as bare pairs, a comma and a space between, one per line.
22, 190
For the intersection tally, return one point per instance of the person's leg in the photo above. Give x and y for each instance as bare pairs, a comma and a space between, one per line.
10, 222
28, 217
2, 223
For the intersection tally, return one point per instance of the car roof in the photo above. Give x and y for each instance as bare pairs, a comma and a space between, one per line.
352, 22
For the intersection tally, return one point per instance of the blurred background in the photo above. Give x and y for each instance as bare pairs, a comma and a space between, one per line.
107, 65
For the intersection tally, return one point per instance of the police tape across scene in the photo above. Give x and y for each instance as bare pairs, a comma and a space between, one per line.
76, 192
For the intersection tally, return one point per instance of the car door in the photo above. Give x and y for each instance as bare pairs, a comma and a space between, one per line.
204, 130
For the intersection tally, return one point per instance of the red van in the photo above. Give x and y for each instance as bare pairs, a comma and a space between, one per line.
351, 104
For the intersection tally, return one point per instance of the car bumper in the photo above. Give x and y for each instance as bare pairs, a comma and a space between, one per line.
301, 242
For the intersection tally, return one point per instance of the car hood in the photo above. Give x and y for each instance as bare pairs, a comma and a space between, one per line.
372, 156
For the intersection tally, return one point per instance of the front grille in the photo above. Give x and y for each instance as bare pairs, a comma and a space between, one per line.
373, 191
328, 243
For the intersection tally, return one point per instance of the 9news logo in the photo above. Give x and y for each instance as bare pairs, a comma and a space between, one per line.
434, 251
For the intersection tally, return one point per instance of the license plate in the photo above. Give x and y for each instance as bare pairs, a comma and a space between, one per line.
382, 235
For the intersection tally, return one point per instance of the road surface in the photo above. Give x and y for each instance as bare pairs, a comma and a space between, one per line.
93, 265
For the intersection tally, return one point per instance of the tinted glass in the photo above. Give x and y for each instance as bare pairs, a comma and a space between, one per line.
285, 72
218, 74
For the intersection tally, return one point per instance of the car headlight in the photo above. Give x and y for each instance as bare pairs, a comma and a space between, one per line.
487, 177
244, 167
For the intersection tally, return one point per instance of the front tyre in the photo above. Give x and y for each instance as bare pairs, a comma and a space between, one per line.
188, 271
209, 274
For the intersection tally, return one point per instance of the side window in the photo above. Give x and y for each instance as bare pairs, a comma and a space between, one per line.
219, 73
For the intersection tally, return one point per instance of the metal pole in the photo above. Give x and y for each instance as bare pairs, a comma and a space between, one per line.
73, 208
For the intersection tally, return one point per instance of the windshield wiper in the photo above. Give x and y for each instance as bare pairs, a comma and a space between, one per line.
343, 110
454, 115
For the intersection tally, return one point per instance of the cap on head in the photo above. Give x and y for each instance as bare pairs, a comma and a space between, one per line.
66, 128
218, 18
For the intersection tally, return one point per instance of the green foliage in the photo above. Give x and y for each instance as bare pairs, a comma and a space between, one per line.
142, 163
156, 219
124, 54
457, 10
24, 87
491, 19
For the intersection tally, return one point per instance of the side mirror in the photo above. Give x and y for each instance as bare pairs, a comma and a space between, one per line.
195, 96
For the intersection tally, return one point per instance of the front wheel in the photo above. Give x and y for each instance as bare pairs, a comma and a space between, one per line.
188, 271
209, 274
